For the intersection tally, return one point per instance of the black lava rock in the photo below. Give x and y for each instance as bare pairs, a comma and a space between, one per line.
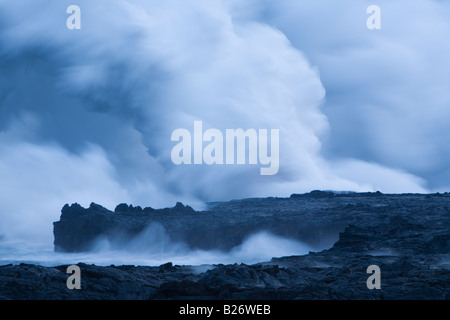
407, 236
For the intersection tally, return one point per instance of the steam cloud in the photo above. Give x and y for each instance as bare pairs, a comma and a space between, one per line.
154, 247
87, 115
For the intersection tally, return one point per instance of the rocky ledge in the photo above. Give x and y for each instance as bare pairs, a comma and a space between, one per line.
407, 236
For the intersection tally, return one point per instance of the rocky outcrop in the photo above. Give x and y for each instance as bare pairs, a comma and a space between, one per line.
407, 236
315, 218
78, 228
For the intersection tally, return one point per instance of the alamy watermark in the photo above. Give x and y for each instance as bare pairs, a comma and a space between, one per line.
74, 281
374, 20
374, 281
229, 148
74, 20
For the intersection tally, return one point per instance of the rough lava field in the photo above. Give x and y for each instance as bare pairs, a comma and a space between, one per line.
406, 235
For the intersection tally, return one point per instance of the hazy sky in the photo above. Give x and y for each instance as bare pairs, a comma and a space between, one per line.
87, 115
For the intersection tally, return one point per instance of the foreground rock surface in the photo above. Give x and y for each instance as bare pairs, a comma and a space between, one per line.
407, 236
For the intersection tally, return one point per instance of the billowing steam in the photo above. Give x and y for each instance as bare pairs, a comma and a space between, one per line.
87, 115
153, 247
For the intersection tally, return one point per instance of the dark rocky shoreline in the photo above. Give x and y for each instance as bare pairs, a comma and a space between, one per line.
407, 236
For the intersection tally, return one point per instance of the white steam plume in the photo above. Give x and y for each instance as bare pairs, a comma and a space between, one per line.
104, 100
